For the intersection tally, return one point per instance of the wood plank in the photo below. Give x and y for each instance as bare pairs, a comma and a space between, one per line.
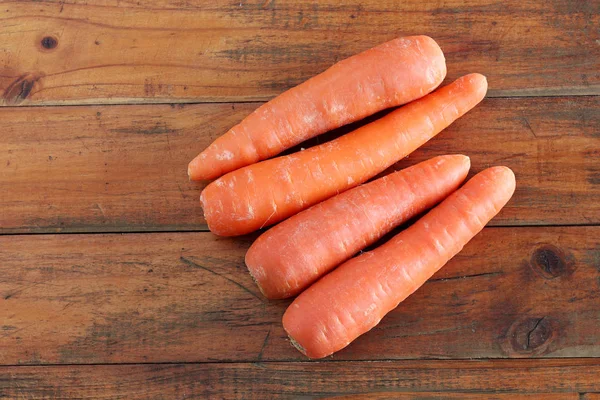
174, 297
112, 51
104, 168
459, 396
123, 168
499, 379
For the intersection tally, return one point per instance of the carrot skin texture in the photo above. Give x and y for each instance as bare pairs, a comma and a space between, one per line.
353, 298
295, 253
388, 75
265, 193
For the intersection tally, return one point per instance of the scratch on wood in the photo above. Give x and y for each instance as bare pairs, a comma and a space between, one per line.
510, 157
25, 287
262, 349
101, 209
159, 128
531, 332
19, 89
183, 196
192, 264
465, 276
528, 125
12, 332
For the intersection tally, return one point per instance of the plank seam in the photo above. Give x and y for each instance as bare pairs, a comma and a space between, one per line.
125, 232
509, 361
255, 101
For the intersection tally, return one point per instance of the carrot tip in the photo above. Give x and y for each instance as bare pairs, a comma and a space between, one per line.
297, 345
479, 80
257, 284
502, 170
195, 170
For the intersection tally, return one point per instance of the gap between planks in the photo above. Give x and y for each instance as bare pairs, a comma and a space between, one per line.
206, 230
499, 360
492, 94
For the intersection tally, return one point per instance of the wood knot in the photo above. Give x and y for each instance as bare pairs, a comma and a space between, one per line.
20, 89
530, 336
49, 42
551, 262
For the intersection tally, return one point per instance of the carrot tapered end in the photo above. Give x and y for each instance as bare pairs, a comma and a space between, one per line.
477, 82
196, 170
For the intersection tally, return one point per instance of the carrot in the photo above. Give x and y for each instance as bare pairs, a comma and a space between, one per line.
354, 297
292, 255
262, 194
391, 74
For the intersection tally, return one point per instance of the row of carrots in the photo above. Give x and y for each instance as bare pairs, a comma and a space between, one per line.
328, 214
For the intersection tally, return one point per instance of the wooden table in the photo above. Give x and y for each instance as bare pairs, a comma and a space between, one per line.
112, 287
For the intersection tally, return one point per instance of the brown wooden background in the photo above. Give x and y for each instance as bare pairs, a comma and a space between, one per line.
110, 286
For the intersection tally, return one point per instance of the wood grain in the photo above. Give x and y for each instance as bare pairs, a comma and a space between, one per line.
459, 396
499, 379
175, 315
123, 168
80, 52
104, 168
175, 297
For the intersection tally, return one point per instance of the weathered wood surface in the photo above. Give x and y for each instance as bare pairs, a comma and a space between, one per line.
187, 297
123, 168
525, 379
111, 51
496, 395
184, 298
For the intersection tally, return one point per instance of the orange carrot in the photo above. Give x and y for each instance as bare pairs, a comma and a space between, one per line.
292, 255
262, 194
354, 297
385, 76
